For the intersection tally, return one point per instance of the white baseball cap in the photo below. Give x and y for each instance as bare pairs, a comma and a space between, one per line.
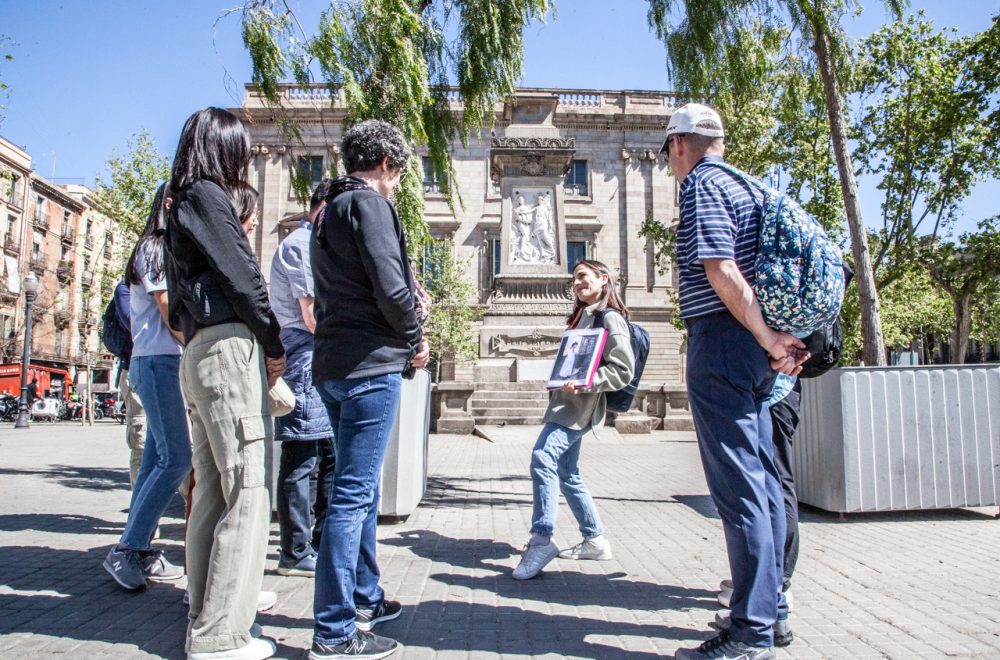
694, 118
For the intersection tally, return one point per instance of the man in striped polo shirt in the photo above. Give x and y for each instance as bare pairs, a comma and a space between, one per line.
731, 363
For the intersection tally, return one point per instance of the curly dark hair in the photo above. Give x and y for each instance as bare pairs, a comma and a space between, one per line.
366, 145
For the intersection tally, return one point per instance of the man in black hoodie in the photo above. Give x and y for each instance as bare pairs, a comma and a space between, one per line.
367, 336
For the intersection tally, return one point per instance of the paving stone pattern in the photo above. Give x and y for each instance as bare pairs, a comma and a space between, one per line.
900, 585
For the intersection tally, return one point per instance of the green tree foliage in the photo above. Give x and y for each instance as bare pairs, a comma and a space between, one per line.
923, 133
128, 195
449, 329
968, 271
392, 60
697, 35
913, 307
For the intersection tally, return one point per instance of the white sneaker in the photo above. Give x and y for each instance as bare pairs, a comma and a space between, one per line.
596, 547
266, 600
726, 594
534, 559
259, 648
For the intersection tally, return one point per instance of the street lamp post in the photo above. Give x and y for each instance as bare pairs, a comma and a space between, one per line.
30, 284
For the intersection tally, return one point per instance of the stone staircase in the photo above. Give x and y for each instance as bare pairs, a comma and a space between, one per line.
500, 404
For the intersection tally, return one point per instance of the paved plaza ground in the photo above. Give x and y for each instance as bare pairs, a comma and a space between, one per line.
902, 585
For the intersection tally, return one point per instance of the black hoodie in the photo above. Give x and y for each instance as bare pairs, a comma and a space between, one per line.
366, 324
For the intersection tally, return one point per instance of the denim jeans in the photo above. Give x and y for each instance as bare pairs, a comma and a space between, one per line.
305, 482
729, 382
554, 464
362, 412
166, 459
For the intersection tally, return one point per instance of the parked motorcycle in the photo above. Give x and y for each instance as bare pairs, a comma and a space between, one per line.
8, 407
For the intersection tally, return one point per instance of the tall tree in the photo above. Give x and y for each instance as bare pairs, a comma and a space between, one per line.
393, 60
127, 196
924, 132
965, 270
696, 35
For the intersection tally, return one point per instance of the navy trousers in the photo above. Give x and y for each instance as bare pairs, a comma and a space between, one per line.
729, 381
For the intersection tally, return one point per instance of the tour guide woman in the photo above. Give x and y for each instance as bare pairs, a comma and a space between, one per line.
233, 355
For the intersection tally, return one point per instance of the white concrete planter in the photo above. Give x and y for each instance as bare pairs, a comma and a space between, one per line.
894, 438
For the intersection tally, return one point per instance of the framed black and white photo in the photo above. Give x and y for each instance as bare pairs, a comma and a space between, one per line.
578, 358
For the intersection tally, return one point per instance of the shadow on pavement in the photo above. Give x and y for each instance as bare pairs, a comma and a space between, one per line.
444, 492
66, 593
468, 553
813, 515
75, 476
476, 627
702, 504
59, 523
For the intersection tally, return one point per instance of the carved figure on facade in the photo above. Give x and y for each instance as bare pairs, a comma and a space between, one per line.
531, 231
541, 228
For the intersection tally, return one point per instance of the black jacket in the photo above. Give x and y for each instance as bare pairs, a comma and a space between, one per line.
366, 324
212, 275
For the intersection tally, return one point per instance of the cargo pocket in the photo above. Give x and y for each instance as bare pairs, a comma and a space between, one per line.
255, 432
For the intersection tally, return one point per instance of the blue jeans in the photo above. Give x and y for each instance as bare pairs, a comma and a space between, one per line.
554, 464
166, 459
729, 382
305, 481
362, 412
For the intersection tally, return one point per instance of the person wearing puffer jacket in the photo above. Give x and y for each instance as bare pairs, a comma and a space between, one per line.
305, 434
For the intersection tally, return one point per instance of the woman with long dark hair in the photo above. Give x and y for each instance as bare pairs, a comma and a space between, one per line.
154, 376
571, 413
233, 355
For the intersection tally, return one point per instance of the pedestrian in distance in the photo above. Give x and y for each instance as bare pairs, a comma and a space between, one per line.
731, 363
154, 368
305, 472
367, 336
571, 413
233, 356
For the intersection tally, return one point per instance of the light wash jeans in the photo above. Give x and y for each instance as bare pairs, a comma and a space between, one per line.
166, 459
362, 412
224, 382
553, 468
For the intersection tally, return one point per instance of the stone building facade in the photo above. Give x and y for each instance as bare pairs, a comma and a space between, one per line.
589, 160
57, 232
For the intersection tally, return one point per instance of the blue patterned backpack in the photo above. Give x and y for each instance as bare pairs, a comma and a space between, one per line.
799, 270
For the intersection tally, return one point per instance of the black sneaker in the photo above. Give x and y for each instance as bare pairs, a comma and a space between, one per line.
782, 630
387, 610
723, 647
362, 645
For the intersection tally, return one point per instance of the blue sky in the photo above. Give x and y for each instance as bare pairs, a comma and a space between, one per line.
88, 75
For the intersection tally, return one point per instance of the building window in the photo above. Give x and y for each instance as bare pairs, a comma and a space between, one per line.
576, 179
65, 253
39, 208
575, 251
66, 219
86, 262
310, 168
12, 189
36, 245
432, 182
7, 326
8, 233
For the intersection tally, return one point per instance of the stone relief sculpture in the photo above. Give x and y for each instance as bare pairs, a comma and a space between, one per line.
531, 233
541, 228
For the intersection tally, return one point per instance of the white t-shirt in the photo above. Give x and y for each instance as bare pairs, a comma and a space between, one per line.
150, 335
